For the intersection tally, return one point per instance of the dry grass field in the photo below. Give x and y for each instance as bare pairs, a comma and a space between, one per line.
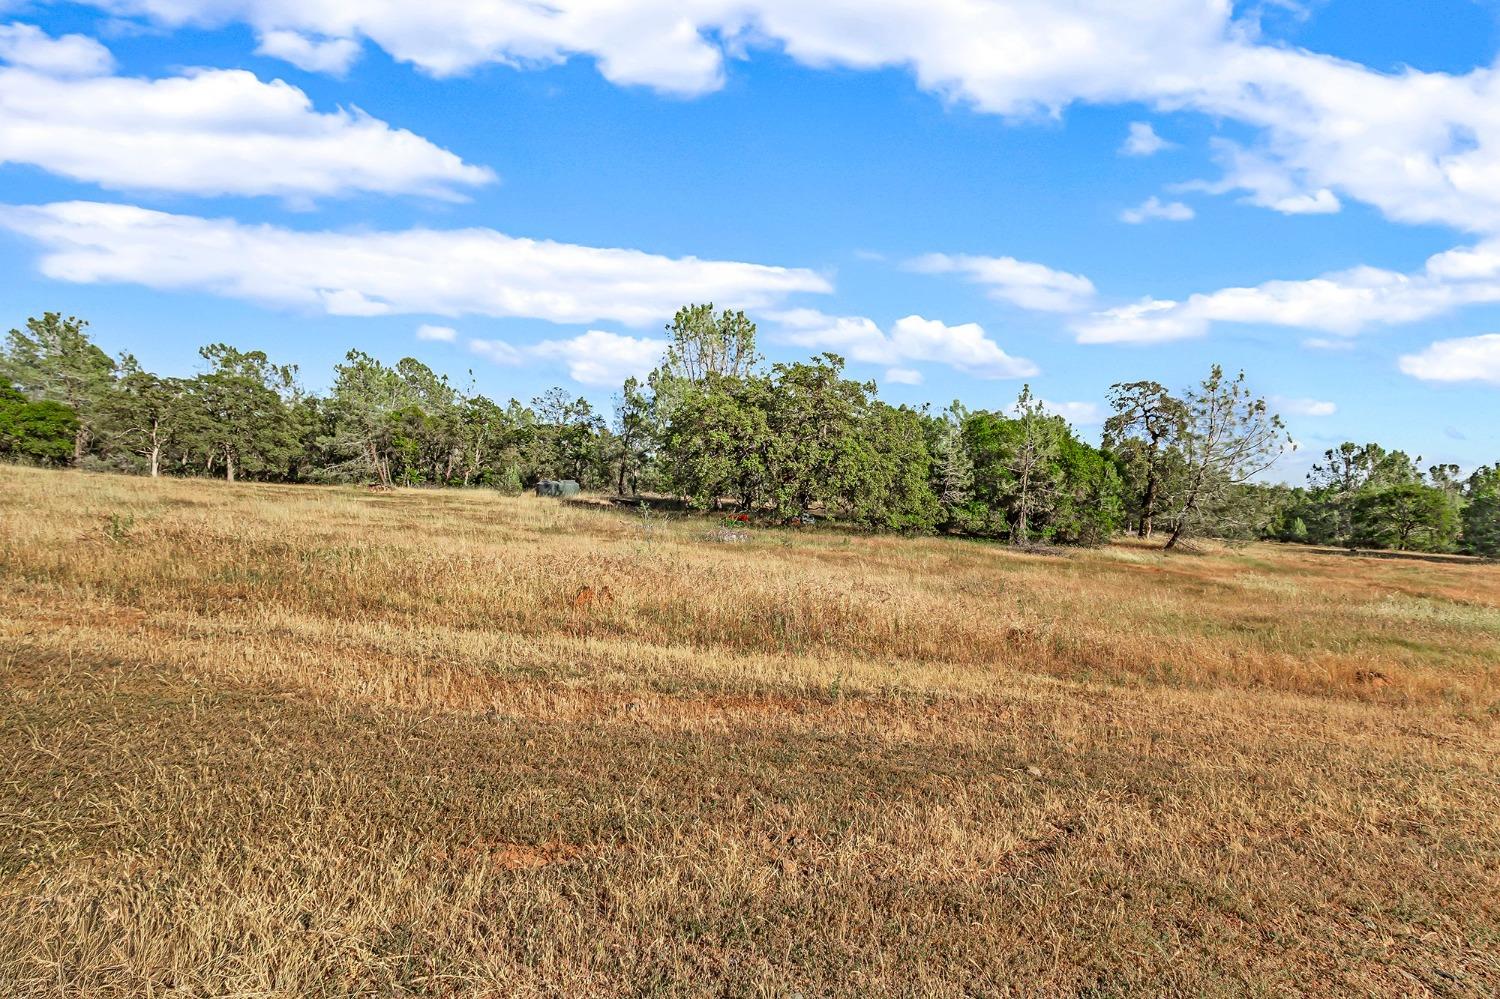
285, 741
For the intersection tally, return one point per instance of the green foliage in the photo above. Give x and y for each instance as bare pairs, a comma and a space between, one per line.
892, 491
53, 360
717, 442
1145, 437
1481, 512
146, 415
42, 432
705, 344
1070, 492
1406, 516
240, 412
1229, 436
713, 425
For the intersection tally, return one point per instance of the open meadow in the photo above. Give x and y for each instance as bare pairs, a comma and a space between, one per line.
293, 740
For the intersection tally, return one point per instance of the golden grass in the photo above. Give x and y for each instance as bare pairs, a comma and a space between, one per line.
269, 740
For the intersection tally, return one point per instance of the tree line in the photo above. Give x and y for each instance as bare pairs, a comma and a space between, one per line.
715, 426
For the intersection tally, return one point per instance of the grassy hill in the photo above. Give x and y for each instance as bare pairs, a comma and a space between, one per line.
293, 740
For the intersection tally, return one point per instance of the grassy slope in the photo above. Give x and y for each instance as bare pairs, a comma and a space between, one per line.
291, 740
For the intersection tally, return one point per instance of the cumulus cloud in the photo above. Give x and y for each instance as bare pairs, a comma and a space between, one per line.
1143, 140
1421, 147
214, 132
1018, 282
903, 376
333, 56
441, 334
1464, 359
912, 339
415, 271
1341, 303
596, 358
1154, 208
28, 47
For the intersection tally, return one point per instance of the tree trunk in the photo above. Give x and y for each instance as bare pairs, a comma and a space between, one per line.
156, 462
79, 439
1148, 505
228, 468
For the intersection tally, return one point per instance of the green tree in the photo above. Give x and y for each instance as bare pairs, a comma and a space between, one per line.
366, 396
816, 419
952, 469
1032, 464
717, 442
1481, 512
1145, 434
704, 343
566, 440
1410, 516
54, 359
892, 490
1230, 436
634, 436
1089, 506
1347, 472
241, 415
42, 431
492, 438
147, 414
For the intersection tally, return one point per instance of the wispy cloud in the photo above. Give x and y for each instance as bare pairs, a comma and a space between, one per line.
1018, 282
1153, 208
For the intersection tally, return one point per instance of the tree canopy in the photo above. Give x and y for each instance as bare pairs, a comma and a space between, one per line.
716, 427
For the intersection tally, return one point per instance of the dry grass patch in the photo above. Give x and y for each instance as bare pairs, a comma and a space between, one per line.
287, 741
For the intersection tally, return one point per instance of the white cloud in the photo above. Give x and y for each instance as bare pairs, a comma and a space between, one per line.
28, 47
414, 271
440, 334
1267, 183
1154, 208
1464, 359
1080, 414
595, 358
1303, 407
903, 376
1421, 147
1143, 140
214, 132
966, 347
1019, 282
1341, 303
333, 56
1150, 320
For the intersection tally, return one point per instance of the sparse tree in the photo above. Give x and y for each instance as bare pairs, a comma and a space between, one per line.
704, 343
953, 468
1035, 478
633, 436
1145, 433
1230, 436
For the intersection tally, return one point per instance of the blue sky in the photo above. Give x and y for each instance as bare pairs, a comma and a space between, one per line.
957, 196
